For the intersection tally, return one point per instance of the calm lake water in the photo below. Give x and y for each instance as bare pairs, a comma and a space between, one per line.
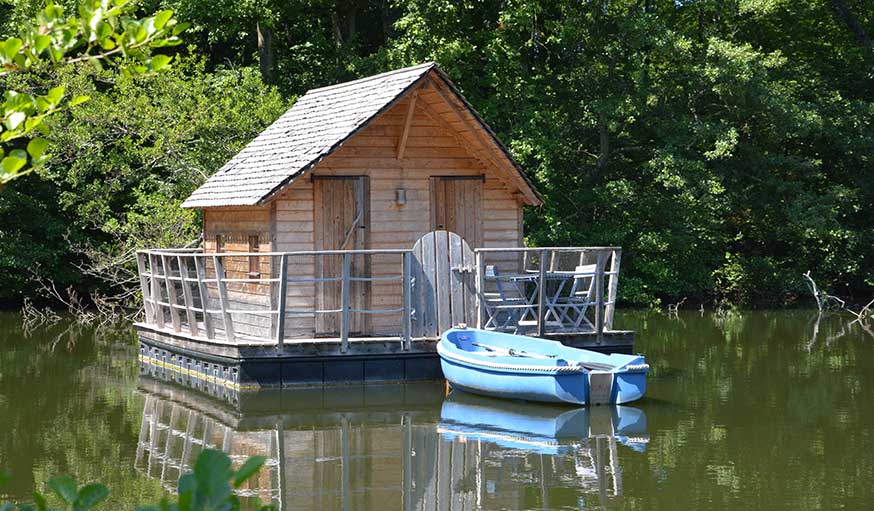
759, 410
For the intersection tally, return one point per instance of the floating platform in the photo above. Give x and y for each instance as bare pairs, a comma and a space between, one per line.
207, 318
243, 366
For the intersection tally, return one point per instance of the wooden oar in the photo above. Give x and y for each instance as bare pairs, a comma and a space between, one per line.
592, 366
513, 353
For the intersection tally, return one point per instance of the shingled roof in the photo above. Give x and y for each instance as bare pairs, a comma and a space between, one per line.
316, 126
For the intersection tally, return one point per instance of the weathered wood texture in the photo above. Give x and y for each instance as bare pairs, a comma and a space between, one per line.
234, 228
456, 206
341, 220
444, 269
487, 210
310, 214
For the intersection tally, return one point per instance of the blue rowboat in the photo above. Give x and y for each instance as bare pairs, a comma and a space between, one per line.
538, 427
519, 367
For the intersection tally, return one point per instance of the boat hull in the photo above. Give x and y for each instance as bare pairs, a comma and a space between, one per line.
553, 377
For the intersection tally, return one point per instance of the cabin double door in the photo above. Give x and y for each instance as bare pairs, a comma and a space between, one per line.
342, 217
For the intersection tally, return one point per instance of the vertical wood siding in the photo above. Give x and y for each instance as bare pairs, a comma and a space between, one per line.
430, 150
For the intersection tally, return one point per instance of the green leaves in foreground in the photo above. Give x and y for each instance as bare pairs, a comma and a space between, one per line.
65, 489
208, 488
102, 31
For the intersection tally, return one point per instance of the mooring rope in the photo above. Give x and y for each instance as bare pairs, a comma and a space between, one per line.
636, 367
572, 368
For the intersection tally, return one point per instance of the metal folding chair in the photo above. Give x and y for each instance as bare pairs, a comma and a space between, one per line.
503, 311
573, 308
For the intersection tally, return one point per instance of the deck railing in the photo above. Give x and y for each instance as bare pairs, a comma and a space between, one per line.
354, 295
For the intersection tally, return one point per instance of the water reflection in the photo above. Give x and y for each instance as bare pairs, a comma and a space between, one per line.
392, 447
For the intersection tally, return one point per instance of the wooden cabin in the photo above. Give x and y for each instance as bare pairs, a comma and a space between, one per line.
369, 218
371, 164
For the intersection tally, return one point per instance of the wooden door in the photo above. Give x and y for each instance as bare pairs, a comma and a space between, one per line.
444, 284
456, 206
342, 221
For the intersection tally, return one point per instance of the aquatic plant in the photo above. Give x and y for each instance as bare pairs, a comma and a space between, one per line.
210, 487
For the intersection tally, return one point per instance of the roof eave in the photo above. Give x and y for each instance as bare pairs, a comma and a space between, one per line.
529, 190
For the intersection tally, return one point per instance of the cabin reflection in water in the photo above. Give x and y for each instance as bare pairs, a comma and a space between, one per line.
399, 446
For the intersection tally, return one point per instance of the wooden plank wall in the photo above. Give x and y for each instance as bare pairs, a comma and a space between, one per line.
235, 225
431, 150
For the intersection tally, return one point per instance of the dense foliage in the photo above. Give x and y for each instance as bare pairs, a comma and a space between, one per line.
726, 145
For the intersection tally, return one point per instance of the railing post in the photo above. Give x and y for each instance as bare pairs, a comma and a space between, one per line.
480, 289
344, 315
171, 295
148, 307
156, 290
599, 296
612, 288
223, 298
408, 299
204, 296
280, 309
541, 295
186, 296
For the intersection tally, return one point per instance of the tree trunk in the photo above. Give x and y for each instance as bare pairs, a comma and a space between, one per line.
335, 25
604, 136
265, 52
851, 22
387, 25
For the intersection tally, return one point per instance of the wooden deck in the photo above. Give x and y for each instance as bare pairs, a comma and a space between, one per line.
244, 332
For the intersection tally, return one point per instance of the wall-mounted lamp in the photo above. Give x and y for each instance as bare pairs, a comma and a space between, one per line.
400, 196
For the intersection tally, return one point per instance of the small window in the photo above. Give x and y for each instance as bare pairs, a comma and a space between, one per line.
254, 261
219, 243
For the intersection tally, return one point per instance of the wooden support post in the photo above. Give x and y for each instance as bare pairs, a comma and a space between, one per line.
402, 143
156, 290
344, 314
612, 288
223, 298
148, 307
186, 295
599, 295
541, 295
280, 309
480, 289
204, 296
408, 299
171, 295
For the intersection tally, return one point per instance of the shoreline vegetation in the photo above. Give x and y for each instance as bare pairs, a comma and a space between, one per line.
727, 147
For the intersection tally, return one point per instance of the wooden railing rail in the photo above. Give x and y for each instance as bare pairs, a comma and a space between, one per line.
199, 294
164, 273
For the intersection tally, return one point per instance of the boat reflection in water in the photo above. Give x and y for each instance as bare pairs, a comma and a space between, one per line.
398, 446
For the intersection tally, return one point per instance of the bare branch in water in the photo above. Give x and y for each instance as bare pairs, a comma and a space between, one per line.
825, 301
